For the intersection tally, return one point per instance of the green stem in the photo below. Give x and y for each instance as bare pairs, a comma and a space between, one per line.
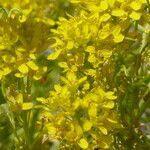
130, 39
148, 3
26, 131
12, 123
3, 88
25, 89
28, 90
4, 10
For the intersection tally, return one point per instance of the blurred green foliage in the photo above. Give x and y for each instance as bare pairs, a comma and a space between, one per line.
127, 73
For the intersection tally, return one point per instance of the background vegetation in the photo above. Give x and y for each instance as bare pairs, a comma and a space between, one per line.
74, 74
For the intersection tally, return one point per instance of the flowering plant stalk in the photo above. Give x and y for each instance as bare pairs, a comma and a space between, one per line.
74, 74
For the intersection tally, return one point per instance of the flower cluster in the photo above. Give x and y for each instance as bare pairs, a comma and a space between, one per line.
18, 50
96, 48
83, 45
86, 41
25, 30
78, 117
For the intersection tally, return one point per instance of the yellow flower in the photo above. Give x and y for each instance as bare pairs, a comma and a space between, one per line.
23, 69
17, 104
135, 15
83, 143
118, 12
135, 5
